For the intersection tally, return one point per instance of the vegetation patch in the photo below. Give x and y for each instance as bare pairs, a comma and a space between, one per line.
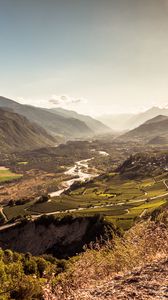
7, 175
22, 163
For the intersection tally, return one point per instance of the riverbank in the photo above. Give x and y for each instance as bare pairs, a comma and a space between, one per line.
79, 172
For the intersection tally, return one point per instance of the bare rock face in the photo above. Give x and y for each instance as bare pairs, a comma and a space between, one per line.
62, 238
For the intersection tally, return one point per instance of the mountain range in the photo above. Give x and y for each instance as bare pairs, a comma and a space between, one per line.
28, 126
96, 126
123, 122
18, 133
63, 124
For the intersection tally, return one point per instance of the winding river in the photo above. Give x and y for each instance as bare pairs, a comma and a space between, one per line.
80, 173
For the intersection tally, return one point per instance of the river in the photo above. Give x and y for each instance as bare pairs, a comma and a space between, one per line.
80, 173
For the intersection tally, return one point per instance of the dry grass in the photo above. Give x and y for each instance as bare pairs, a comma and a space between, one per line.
144, 243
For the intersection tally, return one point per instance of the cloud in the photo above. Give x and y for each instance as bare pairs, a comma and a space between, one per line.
65, 100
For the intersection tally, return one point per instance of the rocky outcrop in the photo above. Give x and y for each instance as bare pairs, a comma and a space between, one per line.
62, 238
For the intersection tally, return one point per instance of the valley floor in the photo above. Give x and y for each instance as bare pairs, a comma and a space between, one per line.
112, 194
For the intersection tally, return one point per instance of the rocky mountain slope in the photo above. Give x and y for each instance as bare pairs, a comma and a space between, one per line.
61, 238
17, 133
156, 127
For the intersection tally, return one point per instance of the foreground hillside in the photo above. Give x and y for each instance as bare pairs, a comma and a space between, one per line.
129, 266
132, 267
17, 133
147, 282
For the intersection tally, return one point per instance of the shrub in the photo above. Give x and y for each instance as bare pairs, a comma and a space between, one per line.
41, 266
8, 256
27, 289
30, 267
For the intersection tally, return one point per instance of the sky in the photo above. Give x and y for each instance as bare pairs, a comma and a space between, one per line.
92, 56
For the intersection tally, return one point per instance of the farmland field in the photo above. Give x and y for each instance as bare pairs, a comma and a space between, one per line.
7, 175
120, 201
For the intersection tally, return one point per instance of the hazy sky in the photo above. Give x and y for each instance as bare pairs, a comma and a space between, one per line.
94, 56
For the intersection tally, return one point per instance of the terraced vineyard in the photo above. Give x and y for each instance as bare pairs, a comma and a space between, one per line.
117, 194
120, 201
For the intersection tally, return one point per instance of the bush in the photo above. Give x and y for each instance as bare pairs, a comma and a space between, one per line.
41, 266
27, 289
20, 276
8, 256
30, 267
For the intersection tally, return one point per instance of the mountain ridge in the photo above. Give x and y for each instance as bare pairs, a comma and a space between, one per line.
17, 132
95, 125
155, 127
122, 122
68, 128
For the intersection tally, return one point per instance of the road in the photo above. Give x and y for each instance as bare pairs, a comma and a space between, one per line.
103, 206
78, 168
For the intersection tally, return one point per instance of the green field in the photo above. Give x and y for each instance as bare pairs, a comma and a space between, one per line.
7, 175
120, 201
22, 163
